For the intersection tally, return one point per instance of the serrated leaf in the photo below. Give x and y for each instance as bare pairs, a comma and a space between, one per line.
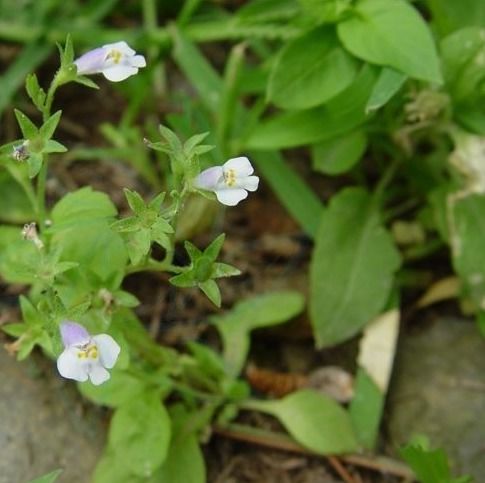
183, 280
315, 421
86, 81
34, 162
310, 70
52, 146
210, 288
139, 245
393, 34
131, 223
220, 270
212, 251
35, 92
48, 128
28, 128
352, 267
136, 202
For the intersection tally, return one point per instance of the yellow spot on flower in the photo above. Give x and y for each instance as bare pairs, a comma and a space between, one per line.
88, 352
230, 177
115, 55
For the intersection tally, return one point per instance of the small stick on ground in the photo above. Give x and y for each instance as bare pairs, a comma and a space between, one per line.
280, 441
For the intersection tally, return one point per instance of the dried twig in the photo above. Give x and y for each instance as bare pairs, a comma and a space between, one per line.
280, 441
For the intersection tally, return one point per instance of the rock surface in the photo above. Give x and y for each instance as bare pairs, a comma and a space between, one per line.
439, 390
43, 424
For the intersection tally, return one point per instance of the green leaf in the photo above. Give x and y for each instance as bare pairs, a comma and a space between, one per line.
171, 138
450, 15
83, 205
366, 409
49, 127
139, 245
52, 146
212, 251
257, 312
185, 461
388, 84
136, 202
119, 390
338, 155
393, 34
86, 81
430, 466
220, 270
310, 70
35, 92
314, 420
341, 114
140, 433
184, 280
352, 267
125, 225
210, 288
49, 478
34, 162
28, 128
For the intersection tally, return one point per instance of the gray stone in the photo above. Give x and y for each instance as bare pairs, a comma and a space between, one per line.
438, 390
44, 425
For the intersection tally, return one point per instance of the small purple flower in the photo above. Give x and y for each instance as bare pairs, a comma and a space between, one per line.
230, 182
85, 356
115, 61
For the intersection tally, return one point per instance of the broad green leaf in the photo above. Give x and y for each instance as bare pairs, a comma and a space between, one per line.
468, 237
119, 390
393, 34
310, 70
52, 146
49, 478
185, 461
113, 467
314, 420
388, 84
260, 311
138, 245
462, 54
140, 433
19, 208
83, 205
352, 267
338, 155
342, 114
325, 11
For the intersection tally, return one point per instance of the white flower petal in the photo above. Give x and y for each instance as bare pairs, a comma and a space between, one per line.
249, 183
71, 367
209, 178
98, 374
231, 197
122, 46
108, 349
120, 72
91, 62
138, 61
241, 165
